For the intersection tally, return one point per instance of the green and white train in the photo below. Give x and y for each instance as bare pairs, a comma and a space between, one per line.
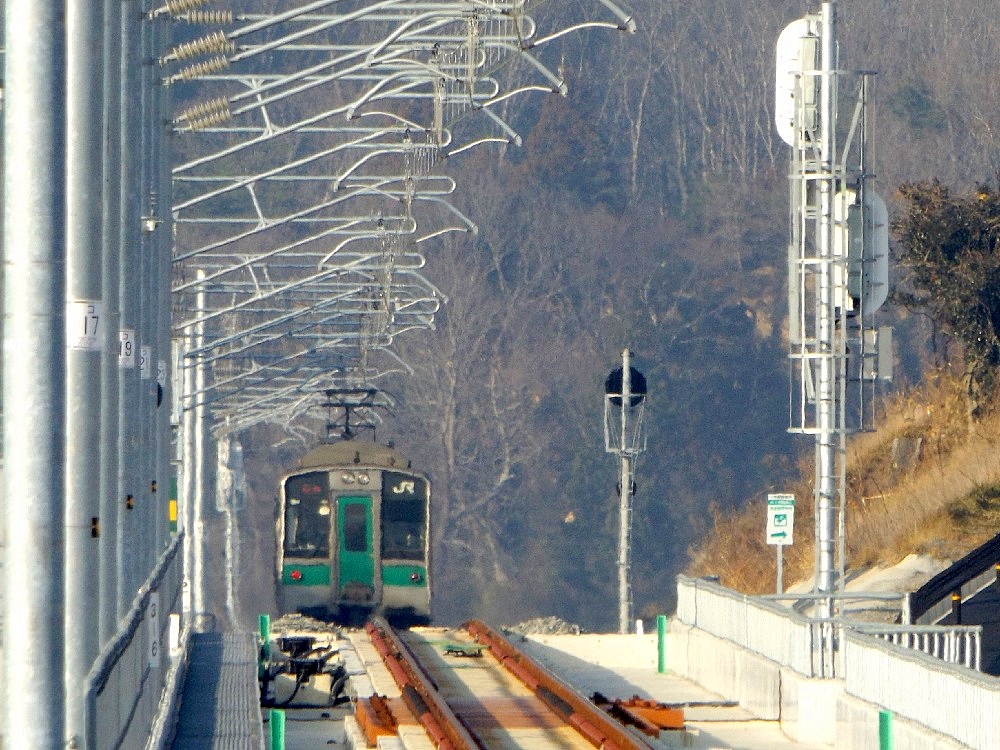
354, 535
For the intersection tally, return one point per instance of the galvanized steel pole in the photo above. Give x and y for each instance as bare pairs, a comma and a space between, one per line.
625, 505
34, 364
827, 393
147, 286
113, 359
129, 576
625, 390
85, 324
195, 536
188, 475
164, 250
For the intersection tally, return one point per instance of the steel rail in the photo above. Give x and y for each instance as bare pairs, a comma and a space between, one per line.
444, 727
599, 729
587, 719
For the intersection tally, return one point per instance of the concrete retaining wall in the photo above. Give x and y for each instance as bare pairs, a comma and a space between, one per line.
950, 700
740, 675
806, 708
858, 729
809, 709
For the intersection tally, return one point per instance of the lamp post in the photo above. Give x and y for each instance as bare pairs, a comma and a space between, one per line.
624, 406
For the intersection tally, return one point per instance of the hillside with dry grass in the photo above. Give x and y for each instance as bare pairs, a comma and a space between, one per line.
927, 481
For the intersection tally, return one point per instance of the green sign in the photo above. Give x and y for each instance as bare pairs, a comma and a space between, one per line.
780, 519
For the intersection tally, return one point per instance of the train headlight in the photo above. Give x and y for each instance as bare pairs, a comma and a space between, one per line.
347, 477
324, 509
363, 478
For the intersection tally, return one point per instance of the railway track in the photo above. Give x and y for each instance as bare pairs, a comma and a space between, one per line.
471, 689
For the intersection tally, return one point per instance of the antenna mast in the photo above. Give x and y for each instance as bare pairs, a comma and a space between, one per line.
838, 268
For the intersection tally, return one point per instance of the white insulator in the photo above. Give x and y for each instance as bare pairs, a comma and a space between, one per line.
216, 42
221, 104
205, 108
204, 68
176, 7
214, 118
193, 113
208, 17
190, 113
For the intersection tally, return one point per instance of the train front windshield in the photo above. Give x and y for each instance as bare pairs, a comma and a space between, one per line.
307, 515
404, 516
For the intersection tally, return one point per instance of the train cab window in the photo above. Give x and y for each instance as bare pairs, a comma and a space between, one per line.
307, 515
404, 516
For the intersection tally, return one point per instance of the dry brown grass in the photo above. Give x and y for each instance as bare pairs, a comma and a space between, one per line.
927, 481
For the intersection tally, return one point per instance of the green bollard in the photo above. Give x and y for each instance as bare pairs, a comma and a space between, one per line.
277, 720
885, 730
264, 652
264, 623
661, 643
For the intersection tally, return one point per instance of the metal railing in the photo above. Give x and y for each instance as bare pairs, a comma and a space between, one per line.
955, 644
925, 674
124, 686
810, 646
946, 698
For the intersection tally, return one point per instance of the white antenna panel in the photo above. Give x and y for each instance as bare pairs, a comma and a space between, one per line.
875, 291
861, 239
797, 50
847, 247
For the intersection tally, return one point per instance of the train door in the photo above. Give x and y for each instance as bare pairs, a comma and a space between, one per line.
355, 550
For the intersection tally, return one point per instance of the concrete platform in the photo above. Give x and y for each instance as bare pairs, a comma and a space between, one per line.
624, 666
315, 729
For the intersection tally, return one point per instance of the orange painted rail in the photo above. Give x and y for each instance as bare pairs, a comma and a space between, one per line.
439, 721
600, 730
448, 731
